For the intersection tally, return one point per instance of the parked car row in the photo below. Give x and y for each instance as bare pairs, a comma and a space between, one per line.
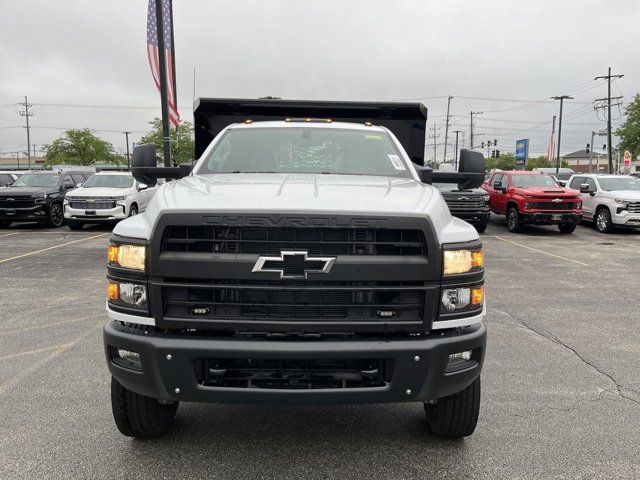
78, 197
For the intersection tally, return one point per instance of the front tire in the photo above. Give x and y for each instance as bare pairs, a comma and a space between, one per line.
513, 220
482, 226
455, 416
56, 216
139, 416
567, 227
603, 220
133, 210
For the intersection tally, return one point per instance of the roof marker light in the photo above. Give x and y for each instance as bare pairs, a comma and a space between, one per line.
248, 121
368, 124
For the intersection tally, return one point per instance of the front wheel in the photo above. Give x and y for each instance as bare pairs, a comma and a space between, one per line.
513, 220
133, 210
139, 416
455, 416
603, 220
56, 217
567, 227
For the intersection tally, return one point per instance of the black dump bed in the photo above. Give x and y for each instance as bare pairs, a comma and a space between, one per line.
406, 120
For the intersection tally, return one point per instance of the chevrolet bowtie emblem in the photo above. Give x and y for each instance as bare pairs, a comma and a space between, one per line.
556, 200
293, 264
10, 200
463, 199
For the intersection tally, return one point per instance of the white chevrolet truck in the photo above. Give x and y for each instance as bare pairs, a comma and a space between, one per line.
305, 258
608, 201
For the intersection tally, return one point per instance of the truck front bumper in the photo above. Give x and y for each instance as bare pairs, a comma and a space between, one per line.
99, 215
475, 218
625, 218
548, 218
38, 212
418, 365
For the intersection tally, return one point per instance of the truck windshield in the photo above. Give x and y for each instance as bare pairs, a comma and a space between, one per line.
111, 181
37, 180
611, 184
305, 150
525, 181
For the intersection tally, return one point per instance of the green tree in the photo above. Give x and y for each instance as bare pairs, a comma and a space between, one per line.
629, 131
80, 147
182, 144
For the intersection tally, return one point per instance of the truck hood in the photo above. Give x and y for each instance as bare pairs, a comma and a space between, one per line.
99, 192
295, 192
551, 192
9, 191
627, 195
300, 193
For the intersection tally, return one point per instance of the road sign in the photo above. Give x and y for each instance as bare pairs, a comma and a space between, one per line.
627, 158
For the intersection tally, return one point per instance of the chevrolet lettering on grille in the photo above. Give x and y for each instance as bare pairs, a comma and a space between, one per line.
293, 264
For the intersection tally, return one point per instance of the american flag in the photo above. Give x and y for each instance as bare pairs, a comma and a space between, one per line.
153, 54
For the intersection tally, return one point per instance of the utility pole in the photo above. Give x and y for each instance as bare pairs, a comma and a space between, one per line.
26, 113
446, 129
608, 78
562, 98
455, 158
471, 135
434, 130
126, 134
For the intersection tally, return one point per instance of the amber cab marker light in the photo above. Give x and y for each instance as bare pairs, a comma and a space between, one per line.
113, 291
112, 254
477, 295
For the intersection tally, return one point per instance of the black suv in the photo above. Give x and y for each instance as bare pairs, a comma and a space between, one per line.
37, 197
468, 204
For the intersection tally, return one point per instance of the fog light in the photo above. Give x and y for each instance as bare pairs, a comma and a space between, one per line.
126, 359
460, 361
477, 295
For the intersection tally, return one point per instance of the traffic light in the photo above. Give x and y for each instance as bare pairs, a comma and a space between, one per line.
482, 145
588, 147
497, 153
495, 142
604, 147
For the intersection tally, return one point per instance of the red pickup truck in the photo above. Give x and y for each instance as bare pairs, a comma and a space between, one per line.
533, 198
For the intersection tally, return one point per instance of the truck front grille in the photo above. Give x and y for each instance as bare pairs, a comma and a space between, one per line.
634, 207
372, 302
92, 203
320, 241
467, 204
554, 206
17, 201
290, 374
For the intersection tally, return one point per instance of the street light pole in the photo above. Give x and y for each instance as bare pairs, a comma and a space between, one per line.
126, 134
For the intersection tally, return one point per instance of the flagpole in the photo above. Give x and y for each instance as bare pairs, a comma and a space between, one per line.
166, 139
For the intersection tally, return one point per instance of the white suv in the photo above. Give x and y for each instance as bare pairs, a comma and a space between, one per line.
608, 200
106, 196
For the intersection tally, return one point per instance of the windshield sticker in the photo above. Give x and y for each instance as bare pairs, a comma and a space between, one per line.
396, 162
373, 137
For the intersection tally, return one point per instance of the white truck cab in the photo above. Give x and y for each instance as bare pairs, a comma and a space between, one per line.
104, 197
608, 200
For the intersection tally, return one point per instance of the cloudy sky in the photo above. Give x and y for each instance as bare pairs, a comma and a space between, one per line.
83, 62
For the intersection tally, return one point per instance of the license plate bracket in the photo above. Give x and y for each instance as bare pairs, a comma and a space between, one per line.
90, 213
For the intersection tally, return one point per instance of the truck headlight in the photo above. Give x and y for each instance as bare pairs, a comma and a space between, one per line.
462, 261
622, 203
485, 199
463, 298
127, 256
41, 198
120, 198
127, 294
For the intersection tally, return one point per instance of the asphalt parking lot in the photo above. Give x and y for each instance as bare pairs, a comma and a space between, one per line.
561, 385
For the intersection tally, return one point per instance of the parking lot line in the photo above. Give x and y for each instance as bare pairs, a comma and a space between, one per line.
37, 350
51, 248
9, 234
539, 251
49, 325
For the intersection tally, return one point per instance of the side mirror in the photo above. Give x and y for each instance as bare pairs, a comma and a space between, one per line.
425, 174
472, 164
144, 156
79, 185
584, 188
142, 186
497, 185
67, 185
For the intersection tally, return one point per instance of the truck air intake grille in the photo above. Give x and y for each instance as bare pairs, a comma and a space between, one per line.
17, 201
634, 207
458, 203
224, 300
290, 374
92, 203
316, 241
553, 206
